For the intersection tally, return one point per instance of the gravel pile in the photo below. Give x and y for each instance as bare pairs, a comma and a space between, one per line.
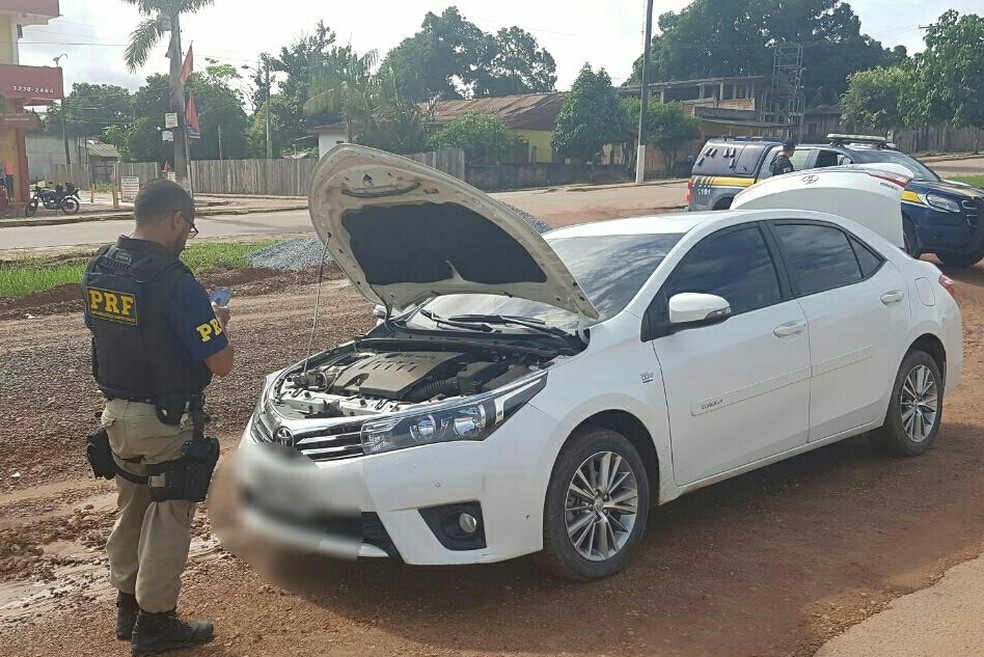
304, 253
291, 255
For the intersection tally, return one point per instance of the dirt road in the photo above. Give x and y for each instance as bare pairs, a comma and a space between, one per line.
769, 564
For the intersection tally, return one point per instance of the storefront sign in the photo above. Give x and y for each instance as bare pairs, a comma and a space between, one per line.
34, 85
19, 121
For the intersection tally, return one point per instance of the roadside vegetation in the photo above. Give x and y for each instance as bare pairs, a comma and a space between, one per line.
23, 276
976, 181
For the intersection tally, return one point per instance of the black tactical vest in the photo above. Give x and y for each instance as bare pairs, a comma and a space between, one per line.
127, 290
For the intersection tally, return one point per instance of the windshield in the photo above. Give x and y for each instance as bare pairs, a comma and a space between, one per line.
920, 170
610, 269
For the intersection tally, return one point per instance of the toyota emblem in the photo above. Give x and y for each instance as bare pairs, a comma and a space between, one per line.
284, 437
810, 179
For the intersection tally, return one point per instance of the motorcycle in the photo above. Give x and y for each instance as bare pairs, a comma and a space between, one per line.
61, 198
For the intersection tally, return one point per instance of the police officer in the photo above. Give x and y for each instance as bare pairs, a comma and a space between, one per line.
156, 342
782, 164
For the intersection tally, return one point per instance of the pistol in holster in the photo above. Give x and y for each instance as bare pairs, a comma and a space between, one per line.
188, 477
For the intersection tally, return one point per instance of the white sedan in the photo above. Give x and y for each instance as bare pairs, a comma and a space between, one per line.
541, 393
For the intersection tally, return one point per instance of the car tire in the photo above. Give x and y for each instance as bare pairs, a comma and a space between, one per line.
909, 237
917, 397
611, 524
958, 259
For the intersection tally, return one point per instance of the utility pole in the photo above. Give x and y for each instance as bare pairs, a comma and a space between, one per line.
178, 104
220, 143
269, 145
643, 137
64, 108
68, 153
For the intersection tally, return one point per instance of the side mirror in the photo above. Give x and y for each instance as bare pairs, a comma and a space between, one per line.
692, 309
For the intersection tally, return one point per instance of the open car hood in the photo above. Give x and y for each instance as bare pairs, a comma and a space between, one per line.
404, 232
869, 194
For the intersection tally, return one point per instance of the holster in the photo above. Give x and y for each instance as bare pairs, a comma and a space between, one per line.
100, 455
188, 477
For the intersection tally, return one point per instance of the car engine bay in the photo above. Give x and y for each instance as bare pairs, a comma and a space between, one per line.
349, 382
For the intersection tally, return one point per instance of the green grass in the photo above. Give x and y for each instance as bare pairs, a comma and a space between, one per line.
30, 275
976, 181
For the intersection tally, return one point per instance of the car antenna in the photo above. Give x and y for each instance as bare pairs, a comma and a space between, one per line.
317, 305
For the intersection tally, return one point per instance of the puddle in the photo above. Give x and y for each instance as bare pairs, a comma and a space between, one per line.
80, 578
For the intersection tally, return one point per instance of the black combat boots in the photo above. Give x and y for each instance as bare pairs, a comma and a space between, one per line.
126, 614
154, 633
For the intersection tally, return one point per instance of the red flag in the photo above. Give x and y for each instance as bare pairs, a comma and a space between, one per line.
188, 66
191, 118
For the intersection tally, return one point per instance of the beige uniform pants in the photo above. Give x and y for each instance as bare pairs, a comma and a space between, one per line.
148, 548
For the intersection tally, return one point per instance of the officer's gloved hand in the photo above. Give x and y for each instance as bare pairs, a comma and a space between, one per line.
221, 314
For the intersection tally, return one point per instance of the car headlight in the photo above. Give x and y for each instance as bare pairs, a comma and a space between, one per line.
474, 419
942, 203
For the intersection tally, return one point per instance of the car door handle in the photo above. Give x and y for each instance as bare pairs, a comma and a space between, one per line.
892, 297
789, 328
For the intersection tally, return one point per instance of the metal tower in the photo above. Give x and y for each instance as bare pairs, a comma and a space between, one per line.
786, 100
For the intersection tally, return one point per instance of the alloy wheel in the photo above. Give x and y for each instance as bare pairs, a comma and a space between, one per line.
602, 506
919, 403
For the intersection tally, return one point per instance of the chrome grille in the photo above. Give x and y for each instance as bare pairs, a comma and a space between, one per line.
342, 441
339, 442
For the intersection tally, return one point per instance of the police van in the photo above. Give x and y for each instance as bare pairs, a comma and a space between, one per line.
938, 216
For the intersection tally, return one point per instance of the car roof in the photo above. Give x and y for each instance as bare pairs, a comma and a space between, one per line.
664, 224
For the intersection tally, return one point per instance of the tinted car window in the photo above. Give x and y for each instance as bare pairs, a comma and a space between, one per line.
735, 265
798, 160
869, 261
818, 257
874, 156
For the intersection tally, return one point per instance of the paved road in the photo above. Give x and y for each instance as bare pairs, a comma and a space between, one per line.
555, 206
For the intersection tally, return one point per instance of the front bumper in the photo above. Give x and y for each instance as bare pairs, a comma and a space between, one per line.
386, 492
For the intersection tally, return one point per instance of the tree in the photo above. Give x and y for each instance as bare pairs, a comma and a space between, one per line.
344, 84
256, 132
670, 128
220, 107
873, 97
451, 57
484, 138
725, 38
299, 61
442, 59
949, 73
591, 117
398, 126
89, 110
161, 16
516, 65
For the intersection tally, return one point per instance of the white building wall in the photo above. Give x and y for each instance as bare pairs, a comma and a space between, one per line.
328, 140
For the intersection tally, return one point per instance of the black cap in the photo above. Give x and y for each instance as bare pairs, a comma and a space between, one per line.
788, 144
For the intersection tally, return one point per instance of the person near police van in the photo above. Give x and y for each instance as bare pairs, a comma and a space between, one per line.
156, 342
781, 163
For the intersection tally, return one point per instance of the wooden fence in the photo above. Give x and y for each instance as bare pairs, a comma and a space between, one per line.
247, 177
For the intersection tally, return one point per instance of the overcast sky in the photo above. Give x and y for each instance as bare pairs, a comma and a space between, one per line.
606, 33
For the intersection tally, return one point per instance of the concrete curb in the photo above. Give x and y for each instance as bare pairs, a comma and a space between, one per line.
78, 219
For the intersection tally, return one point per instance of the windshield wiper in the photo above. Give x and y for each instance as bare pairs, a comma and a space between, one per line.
537, 325
453, 323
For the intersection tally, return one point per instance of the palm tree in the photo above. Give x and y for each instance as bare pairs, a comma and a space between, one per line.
162, 16
344, 83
